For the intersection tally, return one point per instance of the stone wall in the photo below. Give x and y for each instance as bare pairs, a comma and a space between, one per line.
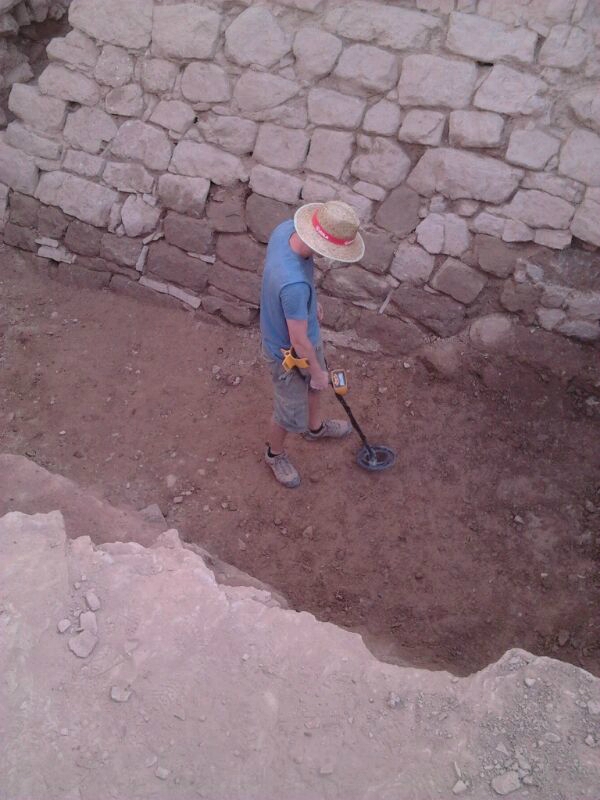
164, 141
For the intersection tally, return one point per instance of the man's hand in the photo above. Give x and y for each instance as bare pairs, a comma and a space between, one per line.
319, 380
319, 312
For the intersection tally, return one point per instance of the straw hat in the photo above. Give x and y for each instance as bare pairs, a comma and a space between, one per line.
331, 229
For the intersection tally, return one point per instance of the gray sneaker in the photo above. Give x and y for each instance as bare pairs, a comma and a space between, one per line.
331, 429
283, 469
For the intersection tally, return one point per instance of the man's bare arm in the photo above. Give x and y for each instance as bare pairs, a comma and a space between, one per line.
298, 330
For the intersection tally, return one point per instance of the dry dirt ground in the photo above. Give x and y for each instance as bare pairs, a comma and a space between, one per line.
485, 536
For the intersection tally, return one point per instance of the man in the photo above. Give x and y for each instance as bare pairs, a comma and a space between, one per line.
290, 317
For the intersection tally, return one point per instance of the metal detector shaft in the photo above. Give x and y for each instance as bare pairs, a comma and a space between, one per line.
355, 424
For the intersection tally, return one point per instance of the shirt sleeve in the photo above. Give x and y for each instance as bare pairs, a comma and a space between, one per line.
295, 298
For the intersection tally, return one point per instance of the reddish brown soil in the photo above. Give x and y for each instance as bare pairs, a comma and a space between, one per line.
484, 536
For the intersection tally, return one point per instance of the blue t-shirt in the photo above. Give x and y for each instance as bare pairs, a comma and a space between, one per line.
288, 292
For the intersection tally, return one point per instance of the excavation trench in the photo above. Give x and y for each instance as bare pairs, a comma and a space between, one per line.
483, 537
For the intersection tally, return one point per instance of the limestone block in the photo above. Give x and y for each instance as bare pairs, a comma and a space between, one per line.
475, 129
138, 217
120, 249
205, 83
457, 175
186, 195
554, 184
383, 118
538, 14
566, 47
126, 24
58, 81
586, 105
549, 318
487, 40
466, 208
22, 138
581, 329
35, 109
361, 204
494, 256
142, 142
114, 67
388, 26
459, 281
239, 283
444, 233
4, 191
128, 177
254, 37
90, 129
509, 91
206, 161
423, 127
399, 213
8, 25
255, 91
379, 250
531, 149
20, 237
75, 48
77, 197
17, 170
438, 312
158, 75
240, 251
283, 148
172, 264
185, 31
125, 101
412, 264
586, 222
234, 134
174, 115
329, 152
557, 240
318, 190
443, 6
24, 210
491, 331
370, 190
327, 107
580, 157
83, 239
351, 282
191, 235
263, 215
516, 231
385, 164
293, 114
303, 5
428, 80
316, 52
226, 209
277, 185
367, 68
51, 222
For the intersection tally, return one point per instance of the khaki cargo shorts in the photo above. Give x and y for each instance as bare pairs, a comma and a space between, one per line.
290, 408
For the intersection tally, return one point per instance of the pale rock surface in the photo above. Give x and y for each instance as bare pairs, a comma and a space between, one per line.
580, 329
183, 194
83, 163
277, 185
486, 40
234, 134
142, 142
138, 217
388, 26
316, 52
184, 31
516, 231
370, 190
540, 15
205, 83
353, 283
385, 164
466, 208
509, 91
475, 129
488, 224
173, 115
549, 318
328, 107
255, 91
585, 103
21, 138
566, 47
422, 127
368, 68
412, 264
428, 80
399, 212
459, 281
114, 67
206, 161
17, 170
329, 152
383, 118
539, 209
586, 222
283, 148
128, 24
303, 5
125, 101
531, 148
90, 129
82, 199
35, 109
75, 48
464, 175
158, 75
255, 37
554, 184
580, 157
557, 240
492, 331
444, 233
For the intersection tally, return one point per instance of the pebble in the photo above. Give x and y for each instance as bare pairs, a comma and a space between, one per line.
162, 773
63, 625
326, 770
590, 741
563, 638
593, 707
120, 694
459, 787
91, 598
83, 644
530, 682
177, 500
506, 783
552, 737
518, 520
87, 622
394, 700
171, 480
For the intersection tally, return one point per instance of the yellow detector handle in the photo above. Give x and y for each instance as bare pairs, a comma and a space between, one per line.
339, 382
291, 360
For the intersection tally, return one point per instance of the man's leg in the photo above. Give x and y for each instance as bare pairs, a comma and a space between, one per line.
315, 418
277, 436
